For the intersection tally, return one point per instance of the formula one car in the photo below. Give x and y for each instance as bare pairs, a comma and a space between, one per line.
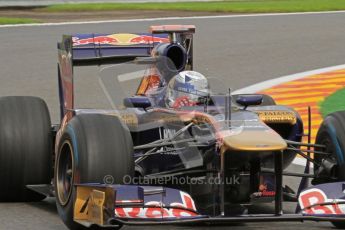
144, 162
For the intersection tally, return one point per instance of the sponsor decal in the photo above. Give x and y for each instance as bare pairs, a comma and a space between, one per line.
266, 186
94, 40
168, 133
119, 39
277, 116
159, 210
145, 39
315, 196
128, 118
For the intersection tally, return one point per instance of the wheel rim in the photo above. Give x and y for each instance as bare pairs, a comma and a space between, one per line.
326, 141
65, 166
331, 157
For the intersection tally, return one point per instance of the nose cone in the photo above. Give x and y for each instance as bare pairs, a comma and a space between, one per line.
254, 140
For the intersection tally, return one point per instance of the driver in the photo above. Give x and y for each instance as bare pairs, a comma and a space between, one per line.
186, 89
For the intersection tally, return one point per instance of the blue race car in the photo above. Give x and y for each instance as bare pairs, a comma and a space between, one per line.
173, 149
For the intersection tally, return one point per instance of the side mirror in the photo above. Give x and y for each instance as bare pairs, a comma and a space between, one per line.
247, 100
137, 102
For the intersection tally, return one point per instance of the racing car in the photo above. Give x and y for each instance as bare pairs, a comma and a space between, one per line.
171, 149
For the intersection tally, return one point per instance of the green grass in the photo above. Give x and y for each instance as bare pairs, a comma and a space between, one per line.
239, 6
333, 103
6, 20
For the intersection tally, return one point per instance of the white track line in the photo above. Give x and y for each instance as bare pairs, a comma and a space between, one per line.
270, 83
171, 18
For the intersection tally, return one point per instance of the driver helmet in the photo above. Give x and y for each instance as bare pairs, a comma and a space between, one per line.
186, 89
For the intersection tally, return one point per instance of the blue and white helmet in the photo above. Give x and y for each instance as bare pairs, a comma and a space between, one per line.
189, 84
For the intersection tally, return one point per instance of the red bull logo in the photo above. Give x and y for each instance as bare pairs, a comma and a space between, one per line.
155, 209
94, 40
119, 39
144, 39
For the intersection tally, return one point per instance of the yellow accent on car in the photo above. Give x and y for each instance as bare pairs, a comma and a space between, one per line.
253, 140
91, 202
277, 117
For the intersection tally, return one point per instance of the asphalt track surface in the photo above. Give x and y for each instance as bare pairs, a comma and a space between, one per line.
239, 51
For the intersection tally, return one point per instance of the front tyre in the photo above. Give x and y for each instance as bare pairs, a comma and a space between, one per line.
92, 148
331, 134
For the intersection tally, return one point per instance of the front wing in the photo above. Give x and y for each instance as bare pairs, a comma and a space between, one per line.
113, 206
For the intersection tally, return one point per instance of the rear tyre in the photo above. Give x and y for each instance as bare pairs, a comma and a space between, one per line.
25, 147
92, 149
332, 134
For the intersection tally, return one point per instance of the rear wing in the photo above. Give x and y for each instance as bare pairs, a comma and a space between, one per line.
89, 49
99, 49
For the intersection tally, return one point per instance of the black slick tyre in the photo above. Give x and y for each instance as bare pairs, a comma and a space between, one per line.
25, 147
332, 134
92, 149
